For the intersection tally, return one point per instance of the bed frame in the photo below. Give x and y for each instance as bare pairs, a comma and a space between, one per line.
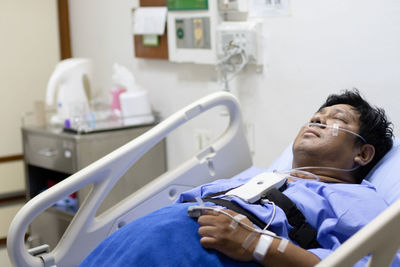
380, 238
227, 156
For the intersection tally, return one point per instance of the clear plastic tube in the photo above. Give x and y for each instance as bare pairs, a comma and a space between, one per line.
335, 128
316, 177
326, 168
236, 220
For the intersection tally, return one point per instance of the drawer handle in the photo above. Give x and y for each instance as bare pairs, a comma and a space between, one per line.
48, 152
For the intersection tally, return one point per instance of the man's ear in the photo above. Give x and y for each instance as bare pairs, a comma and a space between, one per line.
365, 155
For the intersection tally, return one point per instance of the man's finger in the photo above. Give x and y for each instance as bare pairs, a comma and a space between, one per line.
209, 231
207, 220
209, 242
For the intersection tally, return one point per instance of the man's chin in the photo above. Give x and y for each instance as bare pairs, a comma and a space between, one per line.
307, 143
306, 148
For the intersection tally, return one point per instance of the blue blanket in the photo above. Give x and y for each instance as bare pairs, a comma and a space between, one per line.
166, 237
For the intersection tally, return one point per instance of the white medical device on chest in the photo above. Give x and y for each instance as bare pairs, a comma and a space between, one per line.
256, 188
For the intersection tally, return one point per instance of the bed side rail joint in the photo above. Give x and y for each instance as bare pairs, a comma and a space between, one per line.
42, 252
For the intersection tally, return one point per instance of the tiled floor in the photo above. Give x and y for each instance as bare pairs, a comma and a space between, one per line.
4, 260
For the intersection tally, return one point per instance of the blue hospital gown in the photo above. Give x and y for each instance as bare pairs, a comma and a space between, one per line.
168, 237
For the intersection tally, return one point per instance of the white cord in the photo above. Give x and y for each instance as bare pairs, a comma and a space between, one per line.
264, 201
263, 232
231, 50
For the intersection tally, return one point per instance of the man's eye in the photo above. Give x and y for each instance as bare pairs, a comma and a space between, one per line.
340, 119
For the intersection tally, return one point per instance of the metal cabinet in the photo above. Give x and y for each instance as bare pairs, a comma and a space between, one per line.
51, 155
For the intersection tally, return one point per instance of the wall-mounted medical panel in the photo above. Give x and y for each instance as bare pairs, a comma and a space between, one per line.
192, 33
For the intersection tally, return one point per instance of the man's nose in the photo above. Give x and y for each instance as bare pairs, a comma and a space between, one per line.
318, 118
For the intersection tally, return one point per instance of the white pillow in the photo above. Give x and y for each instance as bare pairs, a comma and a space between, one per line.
385, 176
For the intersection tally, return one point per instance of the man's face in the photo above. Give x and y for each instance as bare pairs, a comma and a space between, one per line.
316, 145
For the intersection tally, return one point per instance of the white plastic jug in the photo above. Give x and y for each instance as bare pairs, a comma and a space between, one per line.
69, 88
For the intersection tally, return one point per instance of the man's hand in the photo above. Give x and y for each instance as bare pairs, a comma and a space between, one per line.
217, 233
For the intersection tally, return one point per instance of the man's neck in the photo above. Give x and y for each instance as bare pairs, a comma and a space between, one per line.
327, 176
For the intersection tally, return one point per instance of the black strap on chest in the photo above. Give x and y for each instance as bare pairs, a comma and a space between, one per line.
302, 232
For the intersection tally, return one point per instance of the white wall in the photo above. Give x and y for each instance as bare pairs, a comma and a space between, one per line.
323, 47
29, 50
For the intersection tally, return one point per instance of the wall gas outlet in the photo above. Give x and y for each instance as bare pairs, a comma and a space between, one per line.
244, 34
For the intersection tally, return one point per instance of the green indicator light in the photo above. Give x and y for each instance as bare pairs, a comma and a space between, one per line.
179, 33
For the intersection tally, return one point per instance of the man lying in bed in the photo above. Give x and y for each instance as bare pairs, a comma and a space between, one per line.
331, 156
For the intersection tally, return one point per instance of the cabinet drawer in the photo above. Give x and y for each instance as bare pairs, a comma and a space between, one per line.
48, 152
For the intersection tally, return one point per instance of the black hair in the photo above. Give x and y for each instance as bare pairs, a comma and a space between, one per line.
374, 126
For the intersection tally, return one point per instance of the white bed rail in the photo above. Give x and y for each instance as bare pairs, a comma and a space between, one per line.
380, 239
228, 155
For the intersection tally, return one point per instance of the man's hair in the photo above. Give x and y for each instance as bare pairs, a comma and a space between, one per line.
374, 126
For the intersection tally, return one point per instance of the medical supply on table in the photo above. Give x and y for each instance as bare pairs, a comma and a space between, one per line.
115, 102
136, 108
69, 88
129, 106
119, 86
134, 102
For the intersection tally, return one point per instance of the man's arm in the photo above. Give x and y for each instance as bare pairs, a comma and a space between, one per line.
217, 233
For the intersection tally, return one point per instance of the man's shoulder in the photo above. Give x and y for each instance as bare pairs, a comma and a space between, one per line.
333, 191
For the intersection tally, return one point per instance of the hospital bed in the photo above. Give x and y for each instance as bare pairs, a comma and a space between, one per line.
227, 156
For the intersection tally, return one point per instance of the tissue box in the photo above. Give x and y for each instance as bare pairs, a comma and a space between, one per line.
135, 108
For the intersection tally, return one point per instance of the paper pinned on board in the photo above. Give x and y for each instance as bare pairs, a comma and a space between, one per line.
149, 20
